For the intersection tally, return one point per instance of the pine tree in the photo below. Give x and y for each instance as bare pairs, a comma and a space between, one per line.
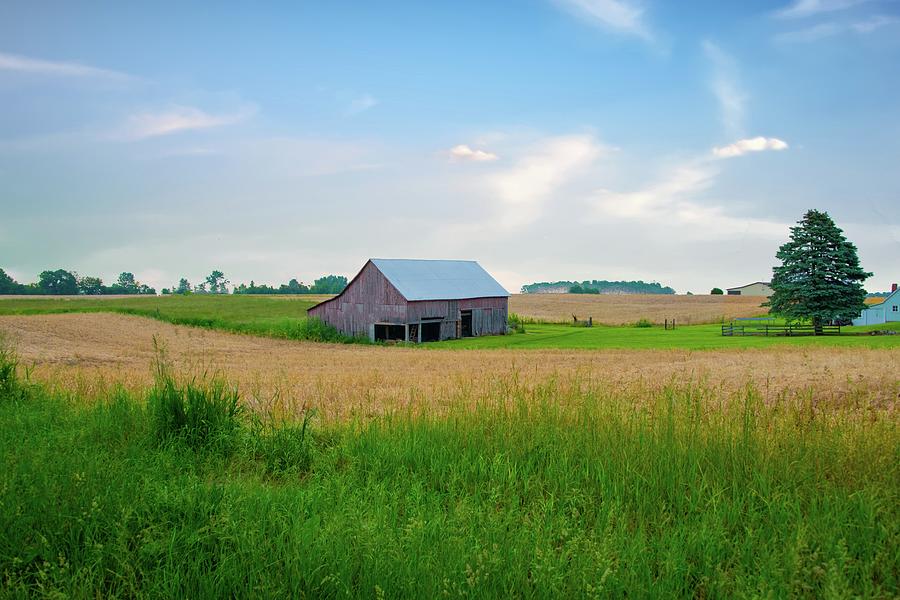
820, 278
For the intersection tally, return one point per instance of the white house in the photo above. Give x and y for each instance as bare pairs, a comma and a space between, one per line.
757, 288
886, 312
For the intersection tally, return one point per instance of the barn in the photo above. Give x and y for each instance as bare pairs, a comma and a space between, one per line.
418, 301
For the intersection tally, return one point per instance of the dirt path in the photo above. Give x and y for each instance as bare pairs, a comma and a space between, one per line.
89, 352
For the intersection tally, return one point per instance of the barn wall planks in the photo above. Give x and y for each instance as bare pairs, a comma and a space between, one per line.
370, 298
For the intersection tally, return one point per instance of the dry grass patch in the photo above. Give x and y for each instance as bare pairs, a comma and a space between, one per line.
88, 353
621, 309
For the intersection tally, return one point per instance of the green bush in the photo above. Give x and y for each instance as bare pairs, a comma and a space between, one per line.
716, 291
643, 323
515, 323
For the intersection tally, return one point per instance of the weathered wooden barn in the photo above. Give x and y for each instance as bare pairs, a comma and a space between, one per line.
418, 301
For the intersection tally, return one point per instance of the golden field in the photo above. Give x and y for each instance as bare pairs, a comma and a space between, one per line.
621, 309
89, 353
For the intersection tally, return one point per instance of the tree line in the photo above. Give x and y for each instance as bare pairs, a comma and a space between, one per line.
596, 286
69, 283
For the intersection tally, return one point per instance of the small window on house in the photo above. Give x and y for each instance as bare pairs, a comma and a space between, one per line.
895, 308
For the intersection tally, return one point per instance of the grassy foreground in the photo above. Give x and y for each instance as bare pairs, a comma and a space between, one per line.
555, 491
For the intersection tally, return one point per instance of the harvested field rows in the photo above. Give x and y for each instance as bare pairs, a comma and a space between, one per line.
621, 309
89, 352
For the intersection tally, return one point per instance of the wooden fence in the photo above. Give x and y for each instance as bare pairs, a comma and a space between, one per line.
780, 330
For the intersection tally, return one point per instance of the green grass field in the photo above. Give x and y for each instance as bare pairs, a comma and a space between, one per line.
692, 337
286, 318
272, 316
536, 493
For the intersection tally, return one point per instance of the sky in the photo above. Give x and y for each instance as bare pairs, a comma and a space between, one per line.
548, 139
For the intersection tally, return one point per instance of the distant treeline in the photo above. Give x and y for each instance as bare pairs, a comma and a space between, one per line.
595, 286
68, 283
330, 284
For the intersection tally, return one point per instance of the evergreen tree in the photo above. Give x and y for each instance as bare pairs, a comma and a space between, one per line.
820, 278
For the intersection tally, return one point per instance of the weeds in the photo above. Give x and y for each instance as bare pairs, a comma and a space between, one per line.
200, 413
642, 323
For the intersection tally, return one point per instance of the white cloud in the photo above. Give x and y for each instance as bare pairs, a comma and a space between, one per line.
177, 119
727, 89
24, 64
361, 104
807, 8
526, 186
756, 144
671, 202
464, 152
621, 15
810, 34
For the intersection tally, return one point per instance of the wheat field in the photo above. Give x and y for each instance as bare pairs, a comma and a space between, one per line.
621, 309
89, 353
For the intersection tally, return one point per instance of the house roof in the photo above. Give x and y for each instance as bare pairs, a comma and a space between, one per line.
883, 300
439, 279
740, 287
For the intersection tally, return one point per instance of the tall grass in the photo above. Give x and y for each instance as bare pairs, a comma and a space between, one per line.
557, 490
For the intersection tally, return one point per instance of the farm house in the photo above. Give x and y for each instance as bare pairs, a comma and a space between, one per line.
884, 312
418, 301
757, 288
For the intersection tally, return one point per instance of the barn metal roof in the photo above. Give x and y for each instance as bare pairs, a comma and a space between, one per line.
439, 279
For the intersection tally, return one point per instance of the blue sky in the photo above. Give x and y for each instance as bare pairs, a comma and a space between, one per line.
548, 139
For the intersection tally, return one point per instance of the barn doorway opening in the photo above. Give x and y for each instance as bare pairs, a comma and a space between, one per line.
465, 329
431, 332
385, 332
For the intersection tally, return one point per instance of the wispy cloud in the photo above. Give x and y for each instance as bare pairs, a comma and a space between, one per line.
726, 86
756, 144
463, 152
873, 23
672, 201
620, 15
525, 187
825, 30
178, 119
361, 104
807, 8
25, 64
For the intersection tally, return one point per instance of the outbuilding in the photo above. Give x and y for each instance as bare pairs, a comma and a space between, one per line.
418, 301
757, 288
884, 312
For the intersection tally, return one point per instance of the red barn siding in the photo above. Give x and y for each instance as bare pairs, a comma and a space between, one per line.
369, 298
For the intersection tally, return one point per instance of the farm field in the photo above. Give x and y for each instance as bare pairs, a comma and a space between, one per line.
623, 309
285, 317
549, 463
550, 473
90, 353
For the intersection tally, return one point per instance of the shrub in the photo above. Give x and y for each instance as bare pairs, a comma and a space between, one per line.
716, 291
515, 323
643, 323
